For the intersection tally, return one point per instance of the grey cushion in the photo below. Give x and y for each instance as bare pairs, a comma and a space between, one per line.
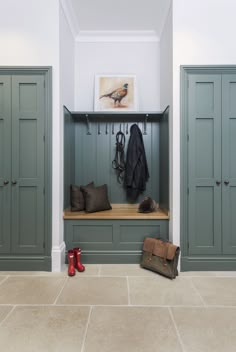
96, 199
77, 197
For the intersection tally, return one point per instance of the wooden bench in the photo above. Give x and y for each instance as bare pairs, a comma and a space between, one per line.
113, 236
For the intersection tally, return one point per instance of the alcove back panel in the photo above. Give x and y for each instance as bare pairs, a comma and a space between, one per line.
94, 154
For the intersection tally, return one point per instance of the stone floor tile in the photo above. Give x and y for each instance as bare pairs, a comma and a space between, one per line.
125, 270
2, 278
196, 273
94, 291
44, 329
206, 329
162, 291
217, 290
30, 290
131, 329
4, 310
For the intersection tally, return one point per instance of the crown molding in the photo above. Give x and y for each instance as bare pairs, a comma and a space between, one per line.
70, 17
116, 36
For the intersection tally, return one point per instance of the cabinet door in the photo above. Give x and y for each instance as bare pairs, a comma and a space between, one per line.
204, 164
28, 106
5, 162
229, 163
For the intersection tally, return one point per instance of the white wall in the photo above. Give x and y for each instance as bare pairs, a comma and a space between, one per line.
203, 34
67, 60
166, 89
139, 58
29, 36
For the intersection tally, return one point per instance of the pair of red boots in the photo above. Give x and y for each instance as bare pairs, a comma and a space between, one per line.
74, 261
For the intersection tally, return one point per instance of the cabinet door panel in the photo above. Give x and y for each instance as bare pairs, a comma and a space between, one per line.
28, 164
204, 164
5, 163
229, 164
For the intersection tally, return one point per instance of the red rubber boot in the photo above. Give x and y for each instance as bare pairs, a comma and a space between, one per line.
79, 266
71, 263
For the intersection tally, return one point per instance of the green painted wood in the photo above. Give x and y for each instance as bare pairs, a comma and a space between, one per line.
229, 163
25, 263
164, 160
208, 263
5, 162
112, 241
9, 260
204, 164
69, 155
94, 155
28, 129
225, 260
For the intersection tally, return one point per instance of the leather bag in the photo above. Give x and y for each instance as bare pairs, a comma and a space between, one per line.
160, 256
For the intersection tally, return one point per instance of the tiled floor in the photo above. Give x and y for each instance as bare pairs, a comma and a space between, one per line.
111, 308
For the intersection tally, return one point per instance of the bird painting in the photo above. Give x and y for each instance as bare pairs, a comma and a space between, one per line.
117, 95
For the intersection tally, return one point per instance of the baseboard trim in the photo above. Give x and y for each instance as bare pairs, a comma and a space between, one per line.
15, 263
208, 264
58, 257
111, 257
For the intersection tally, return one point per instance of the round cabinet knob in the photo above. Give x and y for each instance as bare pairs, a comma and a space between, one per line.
6, 182
14, 182
226, 183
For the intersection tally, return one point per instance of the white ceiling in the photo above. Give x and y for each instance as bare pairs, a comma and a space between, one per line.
116, 16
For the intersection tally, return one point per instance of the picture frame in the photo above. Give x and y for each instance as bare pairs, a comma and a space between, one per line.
115, 93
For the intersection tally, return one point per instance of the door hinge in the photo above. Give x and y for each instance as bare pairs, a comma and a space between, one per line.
188, 190
43, 245
44, 190
188, 245
44, 138
187, 137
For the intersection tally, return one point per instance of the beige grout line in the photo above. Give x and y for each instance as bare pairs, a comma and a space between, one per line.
5, 279
128, 290
198, 293
86, 329
9, 313
66, 280
176, 330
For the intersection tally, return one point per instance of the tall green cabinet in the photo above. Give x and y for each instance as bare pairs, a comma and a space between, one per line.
23, 233
208, 180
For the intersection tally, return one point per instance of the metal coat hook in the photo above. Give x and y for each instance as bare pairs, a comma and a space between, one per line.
145, 125
120, 127
127, 128
106, 128
99, 128
88, 125
112, 128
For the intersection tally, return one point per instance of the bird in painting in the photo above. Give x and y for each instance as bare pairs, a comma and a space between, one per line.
117, 95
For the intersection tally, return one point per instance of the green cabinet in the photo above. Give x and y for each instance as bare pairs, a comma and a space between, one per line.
209, 170
229, 163
22, 161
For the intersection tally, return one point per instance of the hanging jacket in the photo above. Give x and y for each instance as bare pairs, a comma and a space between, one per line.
136, 168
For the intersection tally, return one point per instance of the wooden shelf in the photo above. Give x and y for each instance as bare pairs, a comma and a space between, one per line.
117, 116
118, 212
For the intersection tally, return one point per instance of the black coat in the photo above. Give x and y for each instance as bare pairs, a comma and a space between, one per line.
136, 168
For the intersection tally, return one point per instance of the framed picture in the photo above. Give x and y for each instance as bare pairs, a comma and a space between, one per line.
115, 93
